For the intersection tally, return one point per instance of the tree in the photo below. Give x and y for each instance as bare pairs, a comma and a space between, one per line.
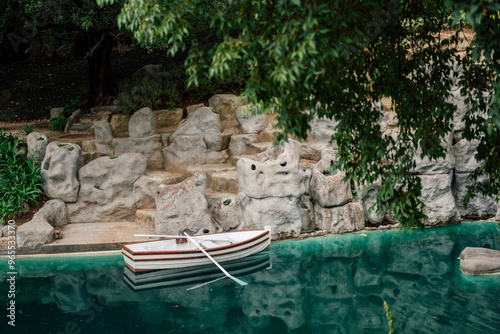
337, 59
68, 26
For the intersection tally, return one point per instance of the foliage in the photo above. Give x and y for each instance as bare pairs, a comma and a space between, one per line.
165, 87
20, 180
58, 123
76, 103
26, 129
338, 59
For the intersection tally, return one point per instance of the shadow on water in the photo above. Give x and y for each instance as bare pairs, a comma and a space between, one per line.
334, 284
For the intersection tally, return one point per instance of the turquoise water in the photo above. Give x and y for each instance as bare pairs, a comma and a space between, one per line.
334, 284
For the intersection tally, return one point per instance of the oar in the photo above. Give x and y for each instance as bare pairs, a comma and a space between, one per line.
240, 282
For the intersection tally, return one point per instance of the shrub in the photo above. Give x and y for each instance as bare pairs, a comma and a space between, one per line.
20, 179
58, 123
75, 103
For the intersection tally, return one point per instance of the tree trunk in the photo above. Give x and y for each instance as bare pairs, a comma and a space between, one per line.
100, 75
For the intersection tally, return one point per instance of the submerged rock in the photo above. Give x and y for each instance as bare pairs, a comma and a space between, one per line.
480, 261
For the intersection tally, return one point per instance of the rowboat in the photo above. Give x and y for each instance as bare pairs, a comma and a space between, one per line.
200, 275
182, 252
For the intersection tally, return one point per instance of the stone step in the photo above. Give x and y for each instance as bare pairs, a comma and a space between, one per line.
165, 177
100, 109
146, 218
234, 159
209, 169
224, 182
79, 128
94, 237
90, 118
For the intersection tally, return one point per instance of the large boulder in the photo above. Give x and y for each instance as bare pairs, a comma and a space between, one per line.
426, 166
37, 143
202, 121
482, 206
252, 123
145, 187
106, 189
151, 147
274, 173
328, 187
195, 150
142, 124
438, 198
53, 212
60, 171
368, 198
103, 137
480, 261
341, 219
459, 101
322, 129
170, 117
283, 214
225, 105
34, 234
225, 209
183, 207
465, 160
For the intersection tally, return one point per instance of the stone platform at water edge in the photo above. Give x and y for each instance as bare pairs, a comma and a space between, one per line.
94, 237
480, 261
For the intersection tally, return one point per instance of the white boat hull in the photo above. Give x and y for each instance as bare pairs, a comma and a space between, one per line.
167, 254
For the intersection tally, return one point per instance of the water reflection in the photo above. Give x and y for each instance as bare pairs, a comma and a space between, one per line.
333, 284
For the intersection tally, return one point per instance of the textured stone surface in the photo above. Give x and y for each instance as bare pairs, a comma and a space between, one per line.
192, 108
482, 206
145, 187
438, 199
103, 138
225, 209
322, 129
60, 171
389, 120
191, 150
458, 118
307, 214
202, 121
425, 166
74, 118
88, 146
183, 207
252, 123
225, 104
327, 187
346, 218
119, 123
54, 112
106, 189
34, 234
150, 147
479, 261
243, 144
142, 123
275, 172
464, 152
283, 214
53, 212
37, 143
368, 199
170, 117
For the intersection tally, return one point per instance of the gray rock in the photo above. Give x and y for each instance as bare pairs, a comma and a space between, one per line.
225, 209
225, 105
482, 206
37, 143
170, 117
479, 261
88, 146
34, 234
425, 166
242, 144
389, 120
53, 212
74, 118
368, 198
60, 171
216, 141
106, 189
145, 188
283, 214
192, 108
142, 124
307, 214
119, 123
347, 218
497, 216
328, 188
151, 147
457, 99
322, 129
202, 121
192, 150
252, 123
439, 202
54, 112
182, 207
5, 230
275, 172
464, 152
103, 138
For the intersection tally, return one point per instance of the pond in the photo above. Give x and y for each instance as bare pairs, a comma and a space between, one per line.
333, 284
